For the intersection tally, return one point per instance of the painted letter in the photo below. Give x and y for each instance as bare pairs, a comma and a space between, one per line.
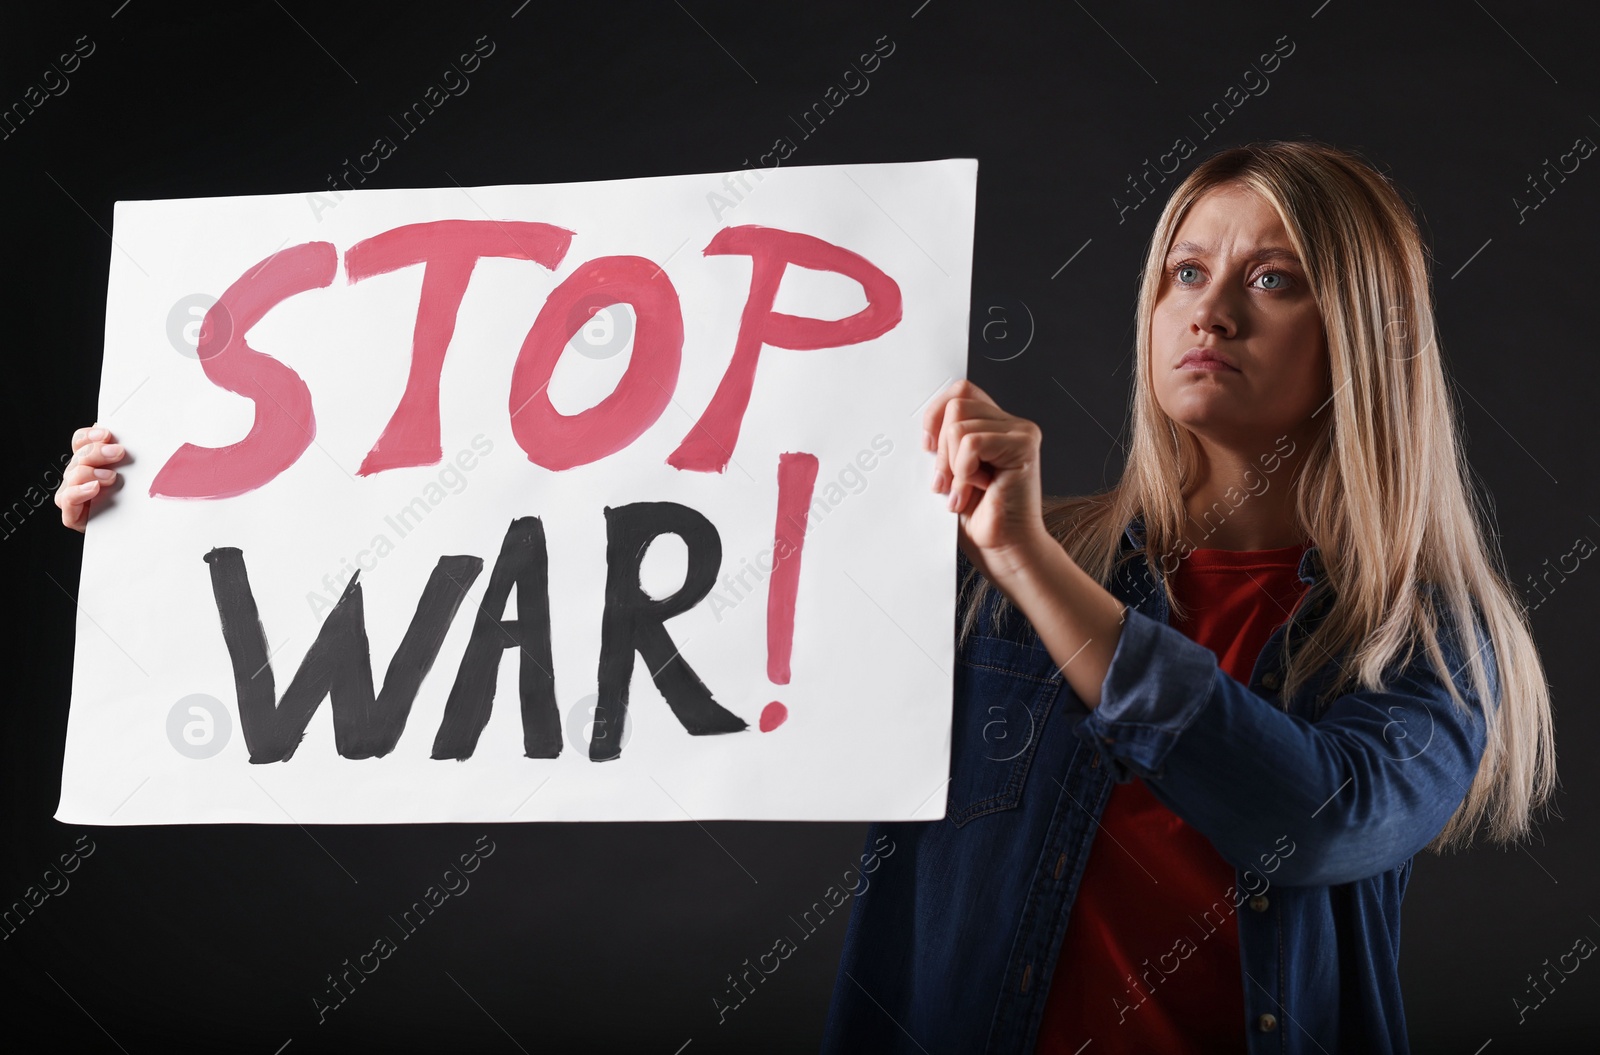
450, 249
709, 444
284, 424
635, 622
558, 441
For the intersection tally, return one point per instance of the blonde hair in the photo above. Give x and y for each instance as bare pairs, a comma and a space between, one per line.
1382, 490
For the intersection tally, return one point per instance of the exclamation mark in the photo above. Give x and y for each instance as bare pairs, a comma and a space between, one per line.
797, 475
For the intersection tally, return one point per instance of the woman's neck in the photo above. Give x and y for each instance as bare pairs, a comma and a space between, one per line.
1243, 502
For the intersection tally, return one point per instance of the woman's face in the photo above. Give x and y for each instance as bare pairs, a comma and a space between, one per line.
1235, 288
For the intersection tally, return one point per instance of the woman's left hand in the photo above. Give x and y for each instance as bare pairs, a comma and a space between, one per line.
988, 462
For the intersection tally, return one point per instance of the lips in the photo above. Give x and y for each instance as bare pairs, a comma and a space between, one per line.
1199, 358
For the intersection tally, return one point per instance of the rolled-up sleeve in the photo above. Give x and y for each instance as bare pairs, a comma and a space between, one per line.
1352, 794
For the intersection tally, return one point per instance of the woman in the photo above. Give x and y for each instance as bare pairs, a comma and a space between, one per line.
1204, 720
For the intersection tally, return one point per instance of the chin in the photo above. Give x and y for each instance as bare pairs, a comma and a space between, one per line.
1200, 411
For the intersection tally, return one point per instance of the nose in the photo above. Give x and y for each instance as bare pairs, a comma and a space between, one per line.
1214, 313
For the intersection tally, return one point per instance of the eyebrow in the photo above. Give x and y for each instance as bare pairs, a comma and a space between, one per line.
1267, 252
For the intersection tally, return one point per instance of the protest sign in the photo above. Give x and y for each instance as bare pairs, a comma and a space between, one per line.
587, 501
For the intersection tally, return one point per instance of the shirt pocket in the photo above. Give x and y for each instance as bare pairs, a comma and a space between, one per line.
1003, 694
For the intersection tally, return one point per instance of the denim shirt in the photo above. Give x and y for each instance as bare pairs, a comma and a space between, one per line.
952, 946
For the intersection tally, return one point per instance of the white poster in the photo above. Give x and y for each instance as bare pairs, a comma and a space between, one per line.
585, 501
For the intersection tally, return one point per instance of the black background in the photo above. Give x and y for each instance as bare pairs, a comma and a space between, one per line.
615, 937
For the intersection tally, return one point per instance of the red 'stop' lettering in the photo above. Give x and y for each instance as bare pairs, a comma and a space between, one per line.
450, 249
284, 425
709, 445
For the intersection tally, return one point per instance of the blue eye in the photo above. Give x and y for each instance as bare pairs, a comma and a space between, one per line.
1282, 280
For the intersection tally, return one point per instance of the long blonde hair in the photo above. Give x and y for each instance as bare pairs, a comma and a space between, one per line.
1382, 490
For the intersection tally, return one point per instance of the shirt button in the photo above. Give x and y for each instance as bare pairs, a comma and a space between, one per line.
1266, 1023
1259, 902
1269, 680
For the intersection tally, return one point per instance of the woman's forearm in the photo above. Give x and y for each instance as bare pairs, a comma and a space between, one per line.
1077, 619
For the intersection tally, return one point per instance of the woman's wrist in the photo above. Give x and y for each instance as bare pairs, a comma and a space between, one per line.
1077, 620
1010, 566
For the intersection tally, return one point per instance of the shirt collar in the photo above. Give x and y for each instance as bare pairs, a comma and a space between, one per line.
1311, 567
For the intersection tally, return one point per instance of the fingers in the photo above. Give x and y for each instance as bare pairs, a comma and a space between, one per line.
948, 410
934, 416
89, 434
86, 474
981, 450
98, 452
963, 470
971, 438
73, 499
82, 473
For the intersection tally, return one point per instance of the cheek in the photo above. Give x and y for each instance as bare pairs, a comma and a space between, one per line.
1161, 380
1158, 391
1315, 362
1164, 323
1304, 370
1187, 399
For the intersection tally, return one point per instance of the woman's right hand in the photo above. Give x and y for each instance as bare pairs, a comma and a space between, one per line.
88, 474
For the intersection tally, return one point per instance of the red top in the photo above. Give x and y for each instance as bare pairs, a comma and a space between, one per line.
1143, 967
